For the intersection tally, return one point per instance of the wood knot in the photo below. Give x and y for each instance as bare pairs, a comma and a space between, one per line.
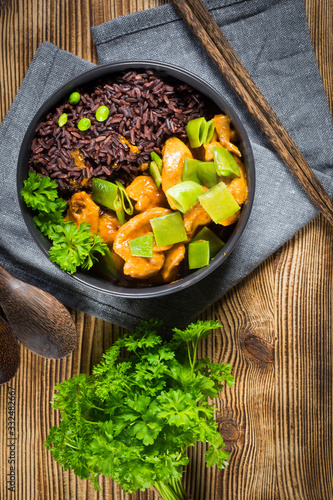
229, 430
259, 348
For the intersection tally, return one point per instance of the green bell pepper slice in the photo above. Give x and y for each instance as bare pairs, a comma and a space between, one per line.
198, 254
206, 171
168, 229
226, 164
142, 246
215, 243
219, 202
184, 195
190, 170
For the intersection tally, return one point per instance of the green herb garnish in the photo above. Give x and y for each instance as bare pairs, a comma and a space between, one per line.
73, 246
41, 193
134, 417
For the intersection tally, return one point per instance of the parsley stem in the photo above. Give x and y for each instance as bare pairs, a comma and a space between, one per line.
71, 445
178, 487
189, 356
97, 407
173, 490
195, 348
192, 359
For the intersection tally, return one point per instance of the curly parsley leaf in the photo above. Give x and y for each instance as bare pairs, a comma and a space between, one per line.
49, 223
41, 193
195, 331
75, 246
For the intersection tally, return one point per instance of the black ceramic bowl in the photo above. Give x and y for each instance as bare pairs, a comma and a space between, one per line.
219, 105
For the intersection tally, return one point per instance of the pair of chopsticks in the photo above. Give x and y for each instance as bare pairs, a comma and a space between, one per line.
205, 28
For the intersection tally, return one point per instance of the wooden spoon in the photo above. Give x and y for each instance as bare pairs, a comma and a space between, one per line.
36, 318
9, 353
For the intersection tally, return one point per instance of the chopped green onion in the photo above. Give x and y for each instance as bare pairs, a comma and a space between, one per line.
184, 195
196, 131
74, 98
226, 164
219, 202
190, 170
215, 244
62, 119
168, 229
105, 265
206, 171
198, 254
142, 246
102, 113
84, 124
157, 160
155, 173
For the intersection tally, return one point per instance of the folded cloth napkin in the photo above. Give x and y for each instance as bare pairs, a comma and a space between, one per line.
272, 39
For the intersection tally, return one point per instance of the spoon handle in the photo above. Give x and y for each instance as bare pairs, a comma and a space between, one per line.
9, 353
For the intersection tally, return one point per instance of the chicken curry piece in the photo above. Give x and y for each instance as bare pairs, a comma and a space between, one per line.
143, 190
152, 202
82, 208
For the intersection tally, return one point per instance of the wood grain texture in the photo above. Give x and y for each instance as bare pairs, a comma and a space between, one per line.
205, 28
277, 420
9, 353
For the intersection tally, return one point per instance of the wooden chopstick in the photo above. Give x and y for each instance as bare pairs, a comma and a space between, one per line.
205, 28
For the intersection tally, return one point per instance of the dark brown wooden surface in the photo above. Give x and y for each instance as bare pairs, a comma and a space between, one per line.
277, 420
206, 29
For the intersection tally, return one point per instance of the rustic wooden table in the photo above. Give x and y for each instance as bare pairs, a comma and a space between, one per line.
278, 324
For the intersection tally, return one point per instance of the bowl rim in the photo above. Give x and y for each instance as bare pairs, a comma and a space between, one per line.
170, 70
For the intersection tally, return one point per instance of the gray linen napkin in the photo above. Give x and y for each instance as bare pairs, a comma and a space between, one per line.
272, 39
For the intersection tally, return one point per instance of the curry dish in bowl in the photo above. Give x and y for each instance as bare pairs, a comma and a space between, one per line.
138, 177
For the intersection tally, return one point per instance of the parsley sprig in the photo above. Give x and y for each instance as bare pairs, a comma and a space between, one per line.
73, 246
135, 416
40, 193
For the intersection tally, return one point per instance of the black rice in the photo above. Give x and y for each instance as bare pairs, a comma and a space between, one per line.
144, 112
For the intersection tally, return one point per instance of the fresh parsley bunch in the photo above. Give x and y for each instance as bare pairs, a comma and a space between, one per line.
73, 246
134, 417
